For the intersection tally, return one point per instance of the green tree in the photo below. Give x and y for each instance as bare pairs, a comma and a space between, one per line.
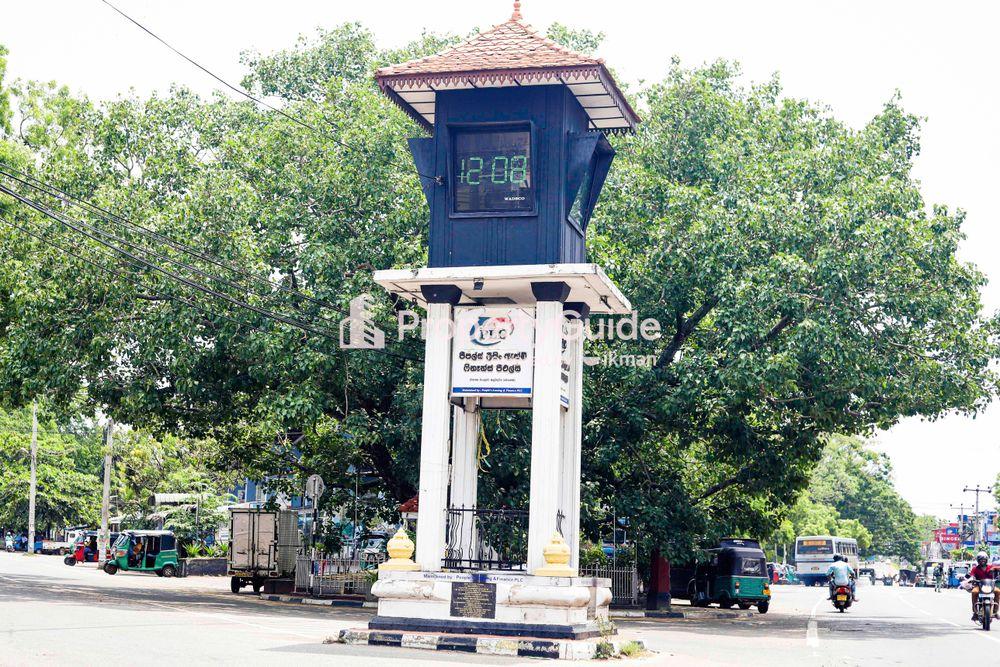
803, 285
68, 488
4, 93
858, 483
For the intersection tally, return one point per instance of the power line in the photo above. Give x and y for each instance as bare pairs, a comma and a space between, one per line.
240, 91
110, 216
123, 275
187, 281
190, 283
159, 255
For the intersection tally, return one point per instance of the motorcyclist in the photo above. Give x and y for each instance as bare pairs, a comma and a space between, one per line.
982, 570
841, 574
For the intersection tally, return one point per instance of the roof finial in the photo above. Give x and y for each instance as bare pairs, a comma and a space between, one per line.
516, 16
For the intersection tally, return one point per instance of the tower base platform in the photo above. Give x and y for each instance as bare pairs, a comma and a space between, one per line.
505, 604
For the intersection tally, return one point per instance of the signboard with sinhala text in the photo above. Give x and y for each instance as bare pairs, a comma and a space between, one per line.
493, 352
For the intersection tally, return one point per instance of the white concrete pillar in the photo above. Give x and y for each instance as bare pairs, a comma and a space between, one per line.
434, 438
546, 423
571, 441
466, 421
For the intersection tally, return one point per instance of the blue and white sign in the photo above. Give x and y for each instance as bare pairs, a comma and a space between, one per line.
493, 352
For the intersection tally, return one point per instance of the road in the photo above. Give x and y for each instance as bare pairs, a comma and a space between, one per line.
53, 614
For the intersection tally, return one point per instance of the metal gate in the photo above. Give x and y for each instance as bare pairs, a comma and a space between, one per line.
624, 583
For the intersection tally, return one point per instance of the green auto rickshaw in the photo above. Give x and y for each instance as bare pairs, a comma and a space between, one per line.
145, 551
734, 574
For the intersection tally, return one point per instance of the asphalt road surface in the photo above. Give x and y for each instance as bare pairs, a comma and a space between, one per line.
54, 614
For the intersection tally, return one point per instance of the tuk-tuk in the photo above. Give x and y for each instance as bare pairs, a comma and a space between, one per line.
145, 551
85, 548
735, 574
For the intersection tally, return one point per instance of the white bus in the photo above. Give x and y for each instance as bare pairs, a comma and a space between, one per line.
814, 556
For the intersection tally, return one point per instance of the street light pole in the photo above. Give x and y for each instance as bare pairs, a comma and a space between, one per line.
33, 486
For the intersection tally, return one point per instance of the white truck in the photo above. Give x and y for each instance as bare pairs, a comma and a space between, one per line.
262, 546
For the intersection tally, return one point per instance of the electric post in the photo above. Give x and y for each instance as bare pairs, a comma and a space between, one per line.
34, 480
977, 491
102, 542
961, 523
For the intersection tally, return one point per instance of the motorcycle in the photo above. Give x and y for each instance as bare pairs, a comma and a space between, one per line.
984, 605
9, 544
842, 598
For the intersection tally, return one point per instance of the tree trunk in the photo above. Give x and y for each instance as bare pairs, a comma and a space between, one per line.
653, 585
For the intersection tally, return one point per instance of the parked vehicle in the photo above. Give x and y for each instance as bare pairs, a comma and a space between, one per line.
814, 556
735, 574
8, 543
262, 546
145, 551
85, 548
926, 575
842, 598
907, 577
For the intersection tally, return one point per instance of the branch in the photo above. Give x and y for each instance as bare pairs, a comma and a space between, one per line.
775, 331
684, 330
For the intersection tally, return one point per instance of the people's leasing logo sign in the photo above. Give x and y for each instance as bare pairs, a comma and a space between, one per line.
493, 351
490, 331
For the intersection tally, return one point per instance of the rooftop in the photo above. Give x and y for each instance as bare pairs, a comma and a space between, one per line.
508, 54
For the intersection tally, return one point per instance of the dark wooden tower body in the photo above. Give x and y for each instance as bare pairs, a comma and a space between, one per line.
518, 155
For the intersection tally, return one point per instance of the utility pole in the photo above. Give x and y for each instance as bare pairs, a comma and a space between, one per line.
34, 479
977, 491
961, 523
102, 542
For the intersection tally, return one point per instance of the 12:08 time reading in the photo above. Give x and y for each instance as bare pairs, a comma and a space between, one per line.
492, 172
514, 170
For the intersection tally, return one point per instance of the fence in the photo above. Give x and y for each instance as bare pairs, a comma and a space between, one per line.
486, 539
336, 576
624, 583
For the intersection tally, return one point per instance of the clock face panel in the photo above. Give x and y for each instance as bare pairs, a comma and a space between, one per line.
492, 172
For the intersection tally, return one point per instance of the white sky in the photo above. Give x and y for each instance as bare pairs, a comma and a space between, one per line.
848, 54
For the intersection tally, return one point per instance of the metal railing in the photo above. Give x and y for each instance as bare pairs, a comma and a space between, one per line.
486, 539
336, 576
624, 582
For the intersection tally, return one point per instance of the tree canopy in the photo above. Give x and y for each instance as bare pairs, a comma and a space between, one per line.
803, 286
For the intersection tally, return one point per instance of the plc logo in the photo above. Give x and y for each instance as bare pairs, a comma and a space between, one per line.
490, 331
361, 334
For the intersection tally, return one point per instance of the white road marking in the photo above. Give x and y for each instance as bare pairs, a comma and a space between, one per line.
812, 627
980, 633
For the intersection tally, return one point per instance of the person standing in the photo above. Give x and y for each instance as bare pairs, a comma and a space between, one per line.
938, 577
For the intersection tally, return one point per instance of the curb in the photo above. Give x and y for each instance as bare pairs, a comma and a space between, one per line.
556, 649
701, 614
296, 599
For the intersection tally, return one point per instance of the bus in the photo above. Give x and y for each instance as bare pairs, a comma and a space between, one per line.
814, 556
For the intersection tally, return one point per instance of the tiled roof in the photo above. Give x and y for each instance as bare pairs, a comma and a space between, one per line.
510, 53
411, 505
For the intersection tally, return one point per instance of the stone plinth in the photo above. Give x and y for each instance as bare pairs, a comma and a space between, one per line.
513, 604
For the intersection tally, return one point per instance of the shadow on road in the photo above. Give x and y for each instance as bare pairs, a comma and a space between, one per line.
55, 590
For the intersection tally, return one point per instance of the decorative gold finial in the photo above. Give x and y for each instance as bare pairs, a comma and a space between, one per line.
516, 16
400, 549
556, 554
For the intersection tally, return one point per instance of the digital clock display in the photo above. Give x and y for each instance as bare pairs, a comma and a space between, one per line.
492, 172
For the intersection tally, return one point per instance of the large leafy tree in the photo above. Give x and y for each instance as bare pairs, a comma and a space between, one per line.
803, 286
67, 481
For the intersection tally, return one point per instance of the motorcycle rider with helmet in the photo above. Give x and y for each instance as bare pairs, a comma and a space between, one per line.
841, 574
982, 570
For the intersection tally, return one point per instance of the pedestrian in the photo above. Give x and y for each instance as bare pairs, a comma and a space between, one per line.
938, 577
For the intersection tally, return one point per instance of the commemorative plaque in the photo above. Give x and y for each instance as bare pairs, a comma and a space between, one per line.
473, 599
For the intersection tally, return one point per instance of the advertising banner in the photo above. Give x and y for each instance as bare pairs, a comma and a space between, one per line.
493, 351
